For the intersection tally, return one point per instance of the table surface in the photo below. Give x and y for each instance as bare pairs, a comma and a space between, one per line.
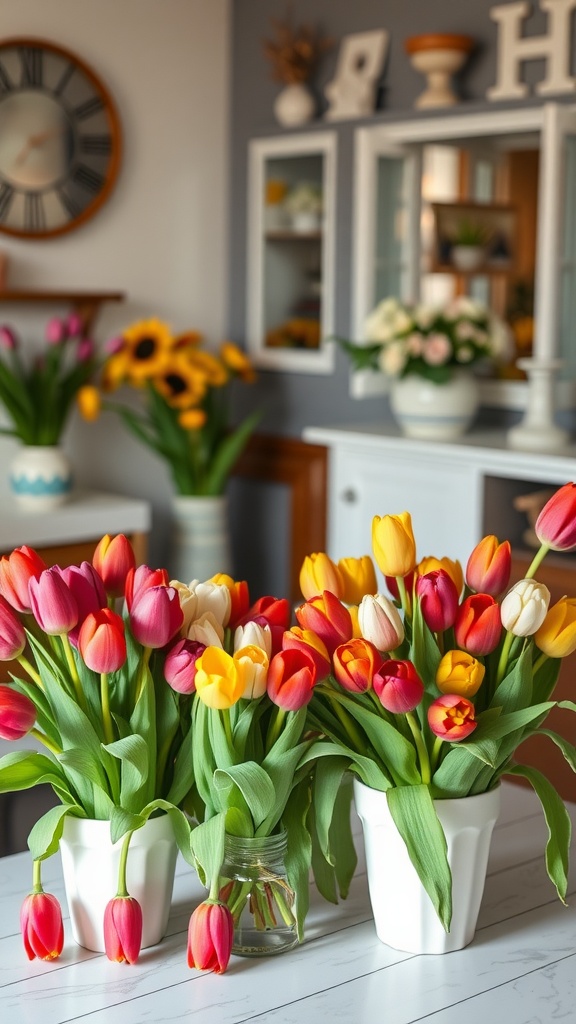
520, 967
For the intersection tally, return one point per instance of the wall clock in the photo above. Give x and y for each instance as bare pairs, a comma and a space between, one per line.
59, 140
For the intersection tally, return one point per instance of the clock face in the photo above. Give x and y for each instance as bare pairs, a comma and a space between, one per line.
59, 140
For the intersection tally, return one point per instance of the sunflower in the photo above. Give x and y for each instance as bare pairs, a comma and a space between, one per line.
192, 419
180, 383
148, 347
214, 371
237, 361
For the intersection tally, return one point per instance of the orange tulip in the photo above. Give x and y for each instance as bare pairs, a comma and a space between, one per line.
460, 673
489, 565
452, 717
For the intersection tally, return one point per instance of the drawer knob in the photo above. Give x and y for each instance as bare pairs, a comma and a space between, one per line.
349, 495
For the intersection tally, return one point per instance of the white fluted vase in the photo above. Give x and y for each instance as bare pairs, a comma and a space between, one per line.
201, 545
40, 477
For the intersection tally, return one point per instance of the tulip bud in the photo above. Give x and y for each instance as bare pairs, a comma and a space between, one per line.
239, 597
355, 664
398, 686
253, 634
17, 713
141, 578
56, 331
41, 926
53, 603
319, 573
89, 402
449, 565
393, 544
328, 618
252, 663
478, 625
359, 578
210, 937
87, 588
452, 717
524, 608
180, 665
556, 637
556, 525
207, 631
459, 673
213, 598
102, 642
113, 559
305, 640
123, 929
489, 566
12, 635
85, 350
219, 684
380, 622
438, 599
156, 616
16, 570
74, 324
272, 610
8, 338
291, 679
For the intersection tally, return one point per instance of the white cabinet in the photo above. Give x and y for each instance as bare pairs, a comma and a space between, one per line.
291, 248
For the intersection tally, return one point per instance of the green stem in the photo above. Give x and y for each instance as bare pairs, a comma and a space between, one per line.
275, 728
404, 598
147, 651
503, 659
122, 889
538, 558
420, 747
30, 670
540, 660
105, 701
435, 755
356, 741
37, 876
44, 739
225, 717
73, 671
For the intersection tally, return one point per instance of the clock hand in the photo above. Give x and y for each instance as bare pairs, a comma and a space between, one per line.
38, 139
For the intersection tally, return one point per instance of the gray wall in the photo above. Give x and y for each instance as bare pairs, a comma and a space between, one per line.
293, 401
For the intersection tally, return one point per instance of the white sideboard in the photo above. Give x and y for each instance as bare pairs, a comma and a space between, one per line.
456, 491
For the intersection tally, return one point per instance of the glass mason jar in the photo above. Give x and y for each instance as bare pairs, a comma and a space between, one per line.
256, 889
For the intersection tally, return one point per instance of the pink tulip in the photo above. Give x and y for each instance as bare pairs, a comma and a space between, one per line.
180, 665
452, 717
102, 642
142, 578
41, 926
56, 331
85, 350
12, 635
74, 325
379, 622
123, 929
489, 566
53, 603
8, 338
113, 559
398, 686
88, 589
16, 571
156, 616
210, 937
17, 714
300, 639
556, 524
328, 617
478, 626
438, 598
355, 663
291, 679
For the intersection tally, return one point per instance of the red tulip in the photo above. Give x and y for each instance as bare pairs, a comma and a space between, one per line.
87, 587
398, 686
113, 559
180, 665
291, 679
478, 626
438, 599
16, 571
328, 618
53, 603
156, 616
452, 717
556, 525
273, 611
123, 929
142, 578
101, 641
300, 639
12, 635
489, 566
355, 663
210, 937
17, 713
41, 926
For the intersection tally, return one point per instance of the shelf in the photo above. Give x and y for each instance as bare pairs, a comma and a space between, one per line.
485, 270
87, 304
293, 236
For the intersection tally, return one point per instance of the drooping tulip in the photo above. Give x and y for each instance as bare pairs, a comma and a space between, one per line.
41, 926
156, 616
379, 622
16, 570
478, 625
319, 573
102, 641
354, 665
52, 602
359, 576
305, 640
460, 673
556, 637
556, 525
252, 663
398, 686
524, 607
291, 679
113, 559
393, 544
452, 717
326, 616
438, 598
219, 684
180, 665
488, 568
210, 937
17, 713
123, 929
12, 635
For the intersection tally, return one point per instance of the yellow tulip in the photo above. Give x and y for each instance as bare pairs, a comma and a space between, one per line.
460, 673
252, 664
320, 573
359, 577
219, 684
557, 634
89, 402
393, 544
453, 568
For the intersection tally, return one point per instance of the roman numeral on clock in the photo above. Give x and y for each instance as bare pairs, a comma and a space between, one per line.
5, 83
31, 59
34, 219
88, 108
88, 179
6, 197
99, 145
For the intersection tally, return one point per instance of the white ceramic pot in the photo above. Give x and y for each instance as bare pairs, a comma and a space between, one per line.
90, 867
201, 543
294, 105
467, 257
305, 221
435, 412
40, 477
403, 912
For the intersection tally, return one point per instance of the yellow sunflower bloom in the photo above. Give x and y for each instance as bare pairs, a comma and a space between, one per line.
192, 419
148, 347
188, 339
180, 383
237, 361
215, 372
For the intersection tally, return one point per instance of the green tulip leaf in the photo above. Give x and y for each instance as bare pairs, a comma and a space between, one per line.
253, 783
299, 852
207, 844
45, 836
558, 822
413, 812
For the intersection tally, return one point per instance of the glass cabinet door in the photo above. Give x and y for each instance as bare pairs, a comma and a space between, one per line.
291, 252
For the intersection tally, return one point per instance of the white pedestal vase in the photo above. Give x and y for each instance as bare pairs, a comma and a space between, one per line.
201, 543
403, 912
538, 431
435, 412
294, 105
40, 477
90, 866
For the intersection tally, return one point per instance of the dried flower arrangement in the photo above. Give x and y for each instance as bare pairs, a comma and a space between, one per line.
294, 52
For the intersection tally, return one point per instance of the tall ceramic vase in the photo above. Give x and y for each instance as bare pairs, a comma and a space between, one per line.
403, 912
90, 866
40, 477
435, 412
201, 543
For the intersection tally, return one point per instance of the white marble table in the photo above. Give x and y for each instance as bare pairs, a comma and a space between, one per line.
520, 968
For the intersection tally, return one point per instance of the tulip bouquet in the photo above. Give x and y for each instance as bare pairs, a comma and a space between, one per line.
94, 694
38, 396
431, 690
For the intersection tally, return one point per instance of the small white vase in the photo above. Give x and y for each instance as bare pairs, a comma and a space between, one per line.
435, 412
294, 105
40, 477
90, 867
467, 257
404, 915
201, 545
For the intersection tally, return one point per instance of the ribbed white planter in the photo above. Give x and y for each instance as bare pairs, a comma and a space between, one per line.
40, 477
90, 867
435, 412
294, 105
201, 544
403, 912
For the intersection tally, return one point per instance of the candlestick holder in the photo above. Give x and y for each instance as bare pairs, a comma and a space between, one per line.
438, 56
538, 431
